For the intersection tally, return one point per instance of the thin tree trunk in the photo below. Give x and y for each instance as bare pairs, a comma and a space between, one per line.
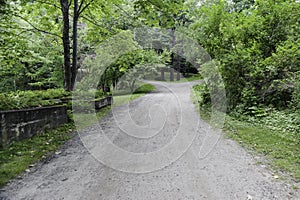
74, 68
178, 67
172, 68
132, 86
184, 68
173, 57
66, 44
162, 74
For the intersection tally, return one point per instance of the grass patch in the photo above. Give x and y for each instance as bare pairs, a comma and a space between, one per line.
84, 120
194, 77
280, 146
20, 155
188, 78
16, 158
125, 98
281, 149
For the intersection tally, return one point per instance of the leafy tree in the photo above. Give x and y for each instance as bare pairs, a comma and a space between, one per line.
29, 59
138, 64
256, 46
50, 17
164, 14
240, 5
106, 54
121, 59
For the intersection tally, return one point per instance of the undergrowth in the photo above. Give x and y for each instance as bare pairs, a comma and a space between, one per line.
272, 133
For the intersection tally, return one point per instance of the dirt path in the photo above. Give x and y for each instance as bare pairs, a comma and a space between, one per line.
153, 154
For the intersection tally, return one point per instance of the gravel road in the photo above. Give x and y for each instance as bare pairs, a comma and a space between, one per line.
156, 148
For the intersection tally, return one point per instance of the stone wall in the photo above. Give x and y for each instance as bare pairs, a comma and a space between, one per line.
21, 124
107, 101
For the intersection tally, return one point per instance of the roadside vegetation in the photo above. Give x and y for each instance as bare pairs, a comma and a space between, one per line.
27, 99
187, 78
256, 47
123, 98
23, 155
268, 138
274, 138
280, 149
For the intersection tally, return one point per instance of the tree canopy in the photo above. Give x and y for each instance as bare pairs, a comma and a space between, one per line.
255, 43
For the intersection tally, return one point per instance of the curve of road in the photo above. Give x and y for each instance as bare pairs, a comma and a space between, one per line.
145, 128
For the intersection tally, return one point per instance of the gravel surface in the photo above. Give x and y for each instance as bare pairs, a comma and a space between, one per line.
156, 147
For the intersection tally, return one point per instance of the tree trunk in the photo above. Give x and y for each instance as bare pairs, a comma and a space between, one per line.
172, 67
74, 68
172, 74
178, 67
184, 68
132, 86
162, 74
66, 44
173, 57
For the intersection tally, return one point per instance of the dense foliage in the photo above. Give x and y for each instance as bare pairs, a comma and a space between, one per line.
254, 43
26, 99
257, 47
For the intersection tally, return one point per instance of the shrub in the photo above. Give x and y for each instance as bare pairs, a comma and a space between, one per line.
201, 93
296, 94
28, 99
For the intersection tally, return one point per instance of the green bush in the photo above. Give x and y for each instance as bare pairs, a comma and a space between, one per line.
28, 99
89, 94
285, 121
296, 94
201, 94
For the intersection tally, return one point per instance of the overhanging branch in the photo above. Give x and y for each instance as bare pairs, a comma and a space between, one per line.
81, 10
47, 3
36, 28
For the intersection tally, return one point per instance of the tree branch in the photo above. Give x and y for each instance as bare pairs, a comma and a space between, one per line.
39, 30
36, 28
70, 3
126, 13
91, 21
46, 2
85, 7
24, 31
81, 4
